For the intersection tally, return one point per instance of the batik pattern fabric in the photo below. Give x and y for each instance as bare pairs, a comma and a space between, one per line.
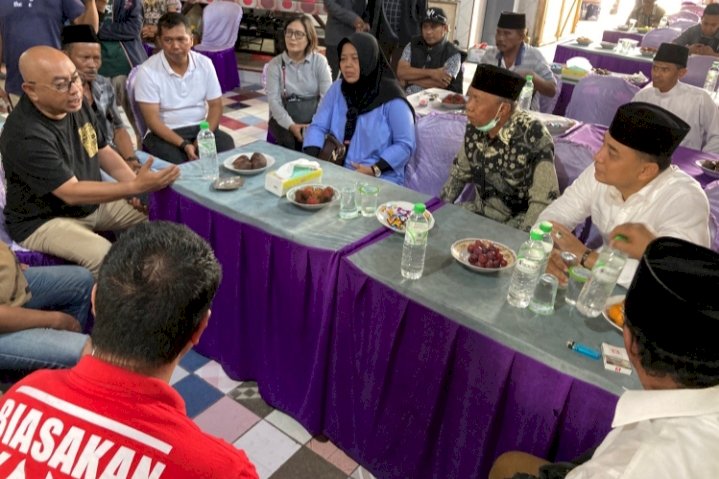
513, 173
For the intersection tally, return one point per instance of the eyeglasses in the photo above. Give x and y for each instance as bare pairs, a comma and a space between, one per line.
296, 34
64, 85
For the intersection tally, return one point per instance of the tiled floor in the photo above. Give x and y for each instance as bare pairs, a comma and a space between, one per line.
278, 446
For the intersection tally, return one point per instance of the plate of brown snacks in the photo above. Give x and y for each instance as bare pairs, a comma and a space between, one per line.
251, 163
709, 167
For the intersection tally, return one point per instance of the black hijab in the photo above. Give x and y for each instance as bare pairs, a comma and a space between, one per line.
376, 85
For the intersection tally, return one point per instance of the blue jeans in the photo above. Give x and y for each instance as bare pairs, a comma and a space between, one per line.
54, 288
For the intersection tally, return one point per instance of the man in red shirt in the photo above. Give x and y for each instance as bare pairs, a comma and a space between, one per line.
114, 414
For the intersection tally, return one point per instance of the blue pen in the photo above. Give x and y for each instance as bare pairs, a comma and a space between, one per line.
585, 350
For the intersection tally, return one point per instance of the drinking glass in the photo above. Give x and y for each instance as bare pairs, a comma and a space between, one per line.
544, 295
348, 202
368, 195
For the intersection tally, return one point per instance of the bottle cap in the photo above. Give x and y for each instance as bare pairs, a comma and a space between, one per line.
536, 234
204, 125
546, 226
419, 208
579, 274
528, 78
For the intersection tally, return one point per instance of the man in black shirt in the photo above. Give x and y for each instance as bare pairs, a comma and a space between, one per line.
52, 151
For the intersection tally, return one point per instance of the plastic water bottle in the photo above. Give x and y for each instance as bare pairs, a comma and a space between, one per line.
415, 243
525, 97
605, 274
547, 241
208, 152
527, 270
710, 83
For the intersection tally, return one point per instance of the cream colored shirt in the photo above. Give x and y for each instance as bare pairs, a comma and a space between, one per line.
672, 204
667, 434
693, 105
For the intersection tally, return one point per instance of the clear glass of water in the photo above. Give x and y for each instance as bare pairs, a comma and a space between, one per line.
545, 293
348, 202
578, 277
368, 195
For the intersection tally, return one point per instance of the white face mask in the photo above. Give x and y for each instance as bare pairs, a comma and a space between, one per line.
491, 123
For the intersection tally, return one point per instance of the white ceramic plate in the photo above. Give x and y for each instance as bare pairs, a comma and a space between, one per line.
319, 206
460, 253
228, 164
707, 171
613, 300
394, 214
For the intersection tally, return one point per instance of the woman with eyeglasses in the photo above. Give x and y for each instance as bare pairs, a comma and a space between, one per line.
296, 81
367, 111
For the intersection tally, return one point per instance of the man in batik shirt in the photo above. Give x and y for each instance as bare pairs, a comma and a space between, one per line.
507, 154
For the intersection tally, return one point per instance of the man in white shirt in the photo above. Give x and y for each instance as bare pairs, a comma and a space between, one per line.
513, 53
631, 180
177, 89
690, 103
669, 429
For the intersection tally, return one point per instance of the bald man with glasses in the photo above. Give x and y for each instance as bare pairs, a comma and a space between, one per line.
52, 151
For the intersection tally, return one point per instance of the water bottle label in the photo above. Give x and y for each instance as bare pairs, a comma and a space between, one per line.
528, 266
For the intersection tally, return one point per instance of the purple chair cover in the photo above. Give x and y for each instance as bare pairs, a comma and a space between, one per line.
130, 86
429, 175
682, 25
225, 63
547, 104
656, 37
684, 15
697, 68
693, 7
613, 36
603, 59
220, 24
712, 191
149, 49
597, 97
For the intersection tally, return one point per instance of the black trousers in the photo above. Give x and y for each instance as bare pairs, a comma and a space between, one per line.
163, 150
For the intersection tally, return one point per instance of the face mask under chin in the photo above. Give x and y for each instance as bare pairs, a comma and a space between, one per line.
491, 123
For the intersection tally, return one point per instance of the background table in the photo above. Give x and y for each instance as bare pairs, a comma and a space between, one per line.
613, 36
607, 59
412, 379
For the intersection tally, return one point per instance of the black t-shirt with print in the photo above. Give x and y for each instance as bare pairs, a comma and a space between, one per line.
39, 155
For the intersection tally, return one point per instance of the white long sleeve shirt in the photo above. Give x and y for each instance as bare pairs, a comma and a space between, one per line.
672, 204
693, 105
661, 434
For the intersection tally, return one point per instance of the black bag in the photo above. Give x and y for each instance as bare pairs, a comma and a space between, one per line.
300, 108
333, 150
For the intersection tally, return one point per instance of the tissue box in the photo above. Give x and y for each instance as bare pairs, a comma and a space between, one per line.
574, 73
279, 186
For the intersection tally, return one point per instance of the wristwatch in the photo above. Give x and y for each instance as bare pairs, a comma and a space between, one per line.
377, 172
184, 144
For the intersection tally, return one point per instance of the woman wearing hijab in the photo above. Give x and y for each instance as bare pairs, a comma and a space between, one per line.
367, 110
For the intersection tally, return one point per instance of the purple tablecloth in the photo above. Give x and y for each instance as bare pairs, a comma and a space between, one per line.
269, 320
414, 394
405, 391
603, 59
613, 36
